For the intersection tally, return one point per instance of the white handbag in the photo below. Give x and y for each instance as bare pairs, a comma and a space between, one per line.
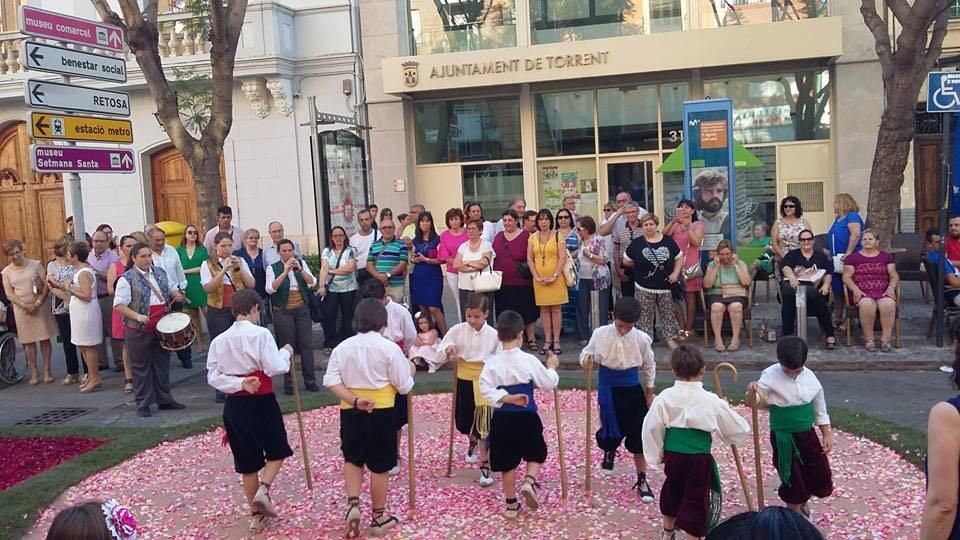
484, 282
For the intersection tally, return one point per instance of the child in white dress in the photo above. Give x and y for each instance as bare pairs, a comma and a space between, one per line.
425, 351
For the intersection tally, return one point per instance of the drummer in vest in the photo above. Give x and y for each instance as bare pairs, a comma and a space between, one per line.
287, 279
143, 293
222, 275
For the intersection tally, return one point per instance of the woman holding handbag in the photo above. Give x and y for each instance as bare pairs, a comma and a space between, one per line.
546, 255
687, 232
516, 290
426, 279
473, 257
594, 276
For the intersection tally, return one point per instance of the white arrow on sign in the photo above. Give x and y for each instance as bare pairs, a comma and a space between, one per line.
71, 62
69, 97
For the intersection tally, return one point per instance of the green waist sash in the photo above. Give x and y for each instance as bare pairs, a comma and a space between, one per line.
693, 442
784, 422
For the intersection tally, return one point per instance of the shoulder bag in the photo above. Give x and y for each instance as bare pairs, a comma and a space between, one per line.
523, 268
569, 271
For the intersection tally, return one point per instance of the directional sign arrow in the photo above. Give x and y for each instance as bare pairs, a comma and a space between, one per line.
69, 97
41, 125
35, 55
126, 160
72, 62
115, 40
37, 94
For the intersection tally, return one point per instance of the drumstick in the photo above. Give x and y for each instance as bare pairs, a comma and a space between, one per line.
736, 453
453, 412
303, 436
411, 472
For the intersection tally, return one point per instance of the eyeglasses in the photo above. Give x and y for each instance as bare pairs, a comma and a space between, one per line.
563, 217
608, 209
807, 239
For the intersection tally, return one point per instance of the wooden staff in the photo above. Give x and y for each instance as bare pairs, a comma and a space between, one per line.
756, 453
453, 414
563, 466
589, 443
411, 468
303, 436
736, 453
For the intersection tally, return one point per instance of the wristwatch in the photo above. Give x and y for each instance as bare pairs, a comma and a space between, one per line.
388, 275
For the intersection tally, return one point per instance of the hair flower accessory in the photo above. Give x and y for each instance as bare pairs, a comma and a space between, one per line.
120, 520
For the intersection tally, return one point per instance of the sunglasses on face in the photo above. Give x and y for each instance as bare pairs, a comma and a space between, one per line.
563, 217
789, 206
191, 232
807, 239
608, 209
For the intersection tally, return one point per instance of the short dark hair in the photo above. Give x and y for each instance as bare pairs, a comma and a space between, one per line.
509, 325
453, 213
689, 204
81, 249
773, 522
371, 314
477, 301
931, 232
510, 212
588, 223
373, 288
280, 243
225, 210
627, 309
244, 301
13, 244
792, 352
80, 521
798, 211
529, 214
686, 361
221, 235
346, 238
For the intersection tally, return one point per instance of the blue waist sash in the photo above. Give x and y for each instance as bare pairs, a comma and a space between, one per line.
525, 388
609, 379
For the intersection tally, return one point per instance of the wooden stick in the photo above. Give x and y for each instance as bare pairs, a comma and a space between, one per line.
563, 466
303, 436
411, 465
736, 453
757, 457
453, 414
589, 443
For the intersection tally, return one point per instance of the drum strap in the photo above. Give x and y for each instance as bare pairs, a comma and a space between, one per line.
157, 292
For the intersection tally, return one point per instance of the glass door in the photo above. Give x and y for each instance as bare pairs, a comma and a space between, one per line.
633, 174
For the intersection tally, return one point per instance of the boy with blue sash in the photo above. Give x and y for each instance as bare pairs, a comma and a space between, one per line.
366, 372
795, 398
516, 433
678, 432
624, 357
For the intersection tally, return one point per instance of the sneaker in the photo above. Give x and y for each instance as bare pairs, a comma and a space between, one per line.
512, 511
486, 477
395, 470
609, 456
472, 454
258, 522
643, 488
529, 492
353, 520
381, 523
262, 503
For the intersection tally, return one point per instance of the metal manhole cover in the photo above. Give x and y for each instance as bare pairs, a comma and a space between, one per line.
54, 417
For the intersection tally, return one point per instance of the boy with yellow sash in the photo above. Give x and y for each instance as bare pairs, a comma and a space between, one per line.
795, 398
470, 344
367, 372
624, 358
678, 432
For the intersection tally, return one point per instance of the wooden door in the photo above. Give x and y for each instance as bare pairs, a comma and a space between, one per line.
174, 192
926, 178
31, 205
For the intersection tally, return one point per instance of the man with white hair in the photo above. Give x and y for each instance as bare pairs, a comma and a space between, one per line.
618, 219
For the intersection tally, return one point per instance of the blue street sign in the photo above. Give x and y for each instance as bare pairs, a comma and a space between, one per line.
943, 91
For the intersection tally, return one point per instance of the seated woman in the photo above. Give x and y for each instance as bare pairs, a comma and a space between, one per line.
871, 279
726, 281
803, 264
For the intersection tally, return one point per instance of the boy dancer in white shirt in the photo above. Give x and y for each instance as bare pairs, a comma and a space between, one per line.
624, 356
516, 433
367, 372
795, 398
240, 363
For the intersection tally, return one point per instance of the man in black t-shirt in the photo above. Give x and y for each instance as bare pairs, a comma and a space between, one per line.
793, 264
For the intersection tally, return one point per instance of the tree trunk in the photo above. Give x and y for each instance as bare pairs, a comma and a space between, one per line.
206, 177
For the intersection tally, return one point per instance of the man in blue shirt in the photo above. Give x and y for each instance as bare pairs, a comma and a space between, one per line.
951, 278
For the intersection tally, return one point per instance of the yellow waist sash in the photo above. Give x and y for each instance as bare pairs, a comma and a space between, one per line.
470, 371
383, 398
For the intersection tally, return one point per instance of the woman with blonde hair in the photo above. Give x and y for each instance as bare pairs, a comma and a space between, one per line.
843, 239
24, 283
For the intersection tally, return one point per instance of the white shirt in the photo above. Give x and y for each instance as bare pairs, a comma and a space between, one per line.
608, 238
687, 405
294, 286
632, 350
465, 281
123, 296
370, 362
169, 260
236, 232
272, 255
399, 325
240, 350
206, 276
783, 390
362, 243
489, 231
514, 366
472, 345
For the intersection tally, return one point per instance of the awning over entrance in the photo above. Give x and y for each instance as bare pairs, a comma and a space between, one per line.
742, 158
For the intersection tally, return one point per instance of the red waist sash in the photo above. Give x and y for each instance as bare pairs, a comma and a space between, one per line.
266, 385
154, 315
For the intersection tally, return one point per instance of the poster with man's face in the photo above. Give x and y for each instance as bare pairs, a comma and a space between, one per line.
709, 167
710, 193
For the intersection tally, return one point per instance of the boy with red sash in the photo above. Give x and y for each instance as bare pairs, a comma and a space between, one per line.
367, 372
678, 432
240, 363
795, 398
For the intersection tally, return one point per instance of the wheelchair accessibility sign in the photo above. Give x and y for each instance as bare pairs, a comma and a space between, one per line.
943, 91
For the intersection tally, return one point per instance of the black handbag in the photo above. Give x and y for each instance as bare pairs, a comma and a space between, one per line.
523, 268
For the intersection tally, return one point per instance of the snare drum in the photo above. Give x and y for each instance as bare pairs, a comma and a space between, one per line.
175, 331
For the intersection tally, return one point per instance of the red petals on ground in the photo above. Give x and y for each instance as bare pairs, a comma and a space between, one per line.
23, 457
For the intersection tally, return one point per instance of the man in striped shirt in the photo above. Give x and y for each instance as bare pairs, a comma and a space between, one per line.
387, 260
622, 236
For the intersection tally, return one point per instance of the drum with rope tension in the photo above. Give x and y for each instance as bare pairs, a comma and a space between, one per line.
175, 331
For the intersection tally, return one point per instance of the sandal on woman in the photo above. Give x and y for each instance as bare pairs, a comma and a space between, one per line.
870, 346
532, 345
128, 386
547, 347
734, 345
381, 523
720, 347
830, 345
353, 518
885, 346
557, 351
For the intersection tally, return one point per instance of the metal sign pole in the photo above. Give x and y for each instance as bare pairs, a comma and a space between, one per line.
943, 189
72, 186
317, 173
802, 311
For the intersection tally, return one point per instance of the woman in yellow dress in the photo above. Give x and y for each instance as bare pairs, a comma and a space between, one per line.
546, 256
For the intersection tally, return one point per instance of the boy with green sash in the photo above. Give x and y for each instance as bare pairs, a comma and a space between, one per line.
678, 432
795, 398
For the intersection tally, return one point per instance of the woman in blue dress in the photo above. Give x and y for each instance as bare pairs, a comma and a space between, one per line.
843, 239
426, 279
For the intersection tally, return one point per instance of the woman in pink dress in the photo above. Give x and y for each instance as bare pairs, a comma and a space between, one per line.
687, 232
116, 331
450, 241
871, 279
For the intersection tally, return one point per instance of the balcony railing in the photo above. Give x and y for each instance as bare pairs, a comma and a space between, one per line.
10, 53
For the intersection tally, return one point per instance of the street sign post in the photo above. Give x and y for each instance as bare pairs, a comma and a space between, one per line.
69, 97
61, 159
61, 127
943, 96
50, 25
71, 62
